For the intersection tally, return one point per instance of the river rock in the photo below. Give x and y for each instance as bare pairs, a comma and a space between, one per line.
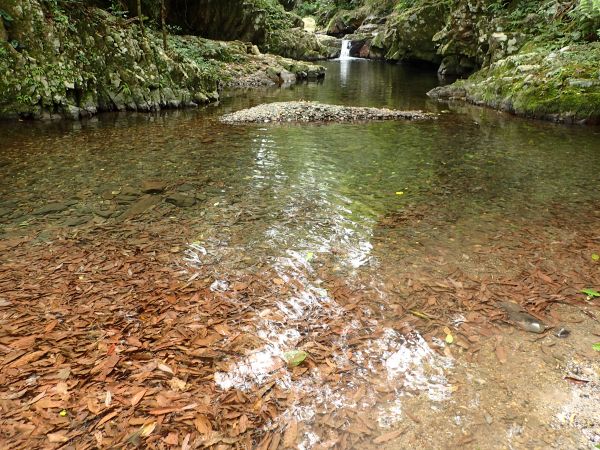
128, 190
108, 195
185, 187
153, 187
142, 205
104, 213
124, 199
317, 112
51, 208
180, 200
75, 221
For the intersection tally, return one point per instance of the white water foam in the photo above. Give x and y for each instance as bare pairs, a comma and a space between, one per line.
345, 50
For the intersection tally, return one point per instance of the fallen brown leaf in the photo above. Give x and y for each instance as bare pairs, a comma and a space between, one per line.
388, 436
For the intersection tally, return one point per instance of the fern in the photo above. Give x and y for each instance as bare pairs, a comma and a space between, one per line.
586, 17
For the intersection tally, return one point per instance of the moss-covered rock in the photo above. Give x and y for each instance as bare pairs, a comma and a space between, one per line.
262, 22
345, 22
245, 20
409, 32
296, 43
75, 63
561, 85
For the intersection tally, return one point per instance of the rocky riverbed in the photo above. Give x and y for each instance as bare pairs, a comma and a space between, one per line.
317, 112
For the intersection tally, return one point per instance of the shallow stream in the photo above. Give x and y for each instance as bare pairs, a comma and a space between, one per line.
386, 207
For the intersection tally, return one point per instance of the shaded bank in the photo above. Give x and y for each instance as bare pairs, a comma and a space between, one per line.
74, 62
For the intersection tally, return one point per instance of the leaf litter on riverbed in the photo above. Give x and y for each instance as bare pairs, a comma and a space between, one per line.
109, 326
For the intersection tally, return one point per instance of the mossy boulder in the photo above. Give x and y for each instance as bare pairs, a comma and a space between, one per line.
562, 85
345, 22
409, 32
297, 44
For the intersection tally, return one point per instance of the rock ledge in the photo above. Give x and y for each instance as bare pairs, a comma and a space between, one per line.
302, 111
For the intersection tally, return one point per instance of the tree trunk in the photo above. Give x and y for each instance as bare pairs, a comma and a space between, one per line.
163, 13
140, 17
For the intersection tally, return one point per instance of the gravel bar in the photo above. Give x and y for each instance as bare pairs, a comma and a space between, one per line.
317, 112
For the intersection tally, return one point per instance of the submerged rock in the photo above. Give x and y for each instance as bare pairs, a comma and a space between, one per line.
317, 112
51, 208
181, 200
153, 187
77, 220
139, 207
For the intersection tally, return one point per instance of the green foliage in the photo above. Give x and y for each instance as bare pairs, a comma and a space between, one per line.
591, 293
311, 8
5, 16
118, 9
295, 357
550, 20
586, 17
57, 8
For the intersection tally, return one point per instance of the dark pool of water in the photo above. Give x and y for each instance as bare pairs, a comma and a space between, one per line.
306, 187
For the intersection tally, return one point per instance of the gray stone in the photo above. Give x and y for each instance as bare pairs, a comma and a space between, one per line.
185, 187
287, 77
75, 221
142, 205
180, 200
582, 83
153, 187
51, 208
104, 213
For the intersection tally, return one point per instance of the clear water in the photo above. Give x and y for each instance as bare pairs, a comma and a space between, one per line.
310, 184
361, 202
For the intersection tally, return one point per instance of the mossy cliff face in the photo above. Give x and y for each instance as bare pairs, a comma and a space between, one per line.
245, 20
458, 35
409, 33
262, 22
74, 65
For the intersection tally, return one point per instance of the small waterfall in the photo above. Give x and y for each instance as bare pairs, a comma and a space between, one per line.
345, 52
